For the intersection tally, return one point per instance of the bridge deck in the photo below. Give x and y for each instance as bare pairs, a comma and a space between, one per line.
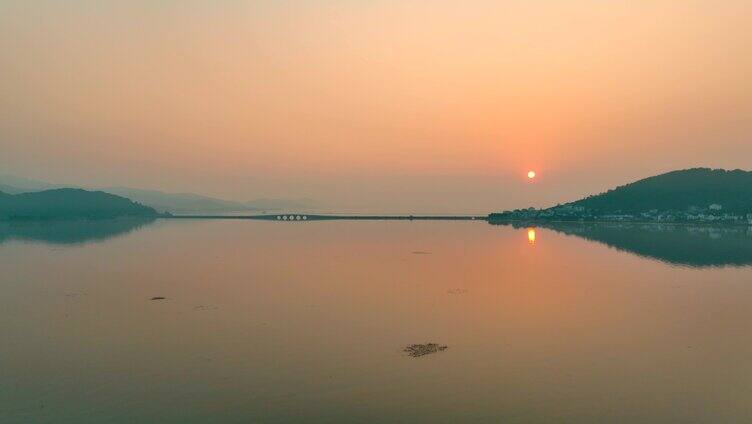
317, 217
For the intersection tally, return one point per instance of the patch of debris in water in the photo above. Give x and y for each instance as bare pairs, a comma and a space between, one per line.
158, 298
457, 291
204, 308
417, 350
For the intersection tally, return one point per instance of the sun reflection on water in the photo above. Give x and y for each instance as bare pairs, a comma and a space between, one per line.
531, 235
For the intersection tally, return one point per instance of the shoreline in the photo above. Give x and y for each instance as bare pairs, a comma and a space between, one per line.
684, 223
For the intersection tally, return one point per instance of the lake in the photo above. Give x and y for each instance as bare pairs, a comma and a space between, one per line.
306, 322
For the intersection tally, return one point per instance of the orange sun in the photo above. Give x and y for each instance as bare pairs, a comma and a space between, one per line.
531, 174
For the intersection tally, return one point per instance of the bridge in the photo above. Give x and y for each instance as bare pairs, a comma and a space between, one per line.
302, 217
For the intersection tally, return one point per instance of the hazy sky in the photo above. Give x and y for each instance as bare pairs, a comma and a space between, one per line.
403, 105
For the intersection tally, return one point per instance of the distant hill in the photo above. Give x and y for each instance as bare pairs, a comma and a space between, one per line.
11, 190
678, 191
13, 184
69, 203
194, 203
281, 204
699, 195
177, 202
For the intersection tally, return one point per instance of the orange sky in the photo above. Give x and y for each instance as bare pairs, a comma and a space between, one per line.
405, 105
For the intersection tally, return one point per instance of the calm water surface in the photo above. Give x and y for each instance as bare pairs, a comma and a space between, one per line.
305, 322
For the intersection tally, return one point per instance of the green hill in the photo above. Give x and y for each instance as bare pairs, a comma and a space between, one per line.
677, 191
691, 195
68, 203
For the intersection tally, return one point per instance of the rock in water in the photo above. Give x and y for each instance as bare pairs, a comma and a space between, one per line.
417, 350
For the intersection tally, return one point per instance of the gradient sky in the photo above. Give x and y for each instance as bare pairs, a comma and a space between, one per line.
387, 105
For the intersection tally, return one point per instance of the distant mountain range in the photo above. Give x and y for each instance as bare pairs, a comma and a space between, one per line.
193, 203
177, 203
699, 194
12, 184
66, 203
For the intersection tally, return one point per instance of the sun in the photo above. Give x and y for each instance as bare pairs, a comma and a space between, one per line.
531, 174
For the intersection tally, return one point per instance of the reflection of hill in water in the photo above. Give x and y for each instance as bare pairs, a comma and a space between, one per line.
695, 246
69, 232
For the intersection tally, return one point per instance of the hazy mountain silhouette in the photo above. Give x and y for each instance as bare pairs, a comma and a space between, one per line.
10, 189
281, 204
165, 202
69, 231
686, 245
178, 202
192, 203
678, 190
69, 203
12, 184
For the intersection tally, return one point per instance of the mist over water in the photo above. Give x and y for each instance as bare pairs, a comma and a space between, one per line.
280, 322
